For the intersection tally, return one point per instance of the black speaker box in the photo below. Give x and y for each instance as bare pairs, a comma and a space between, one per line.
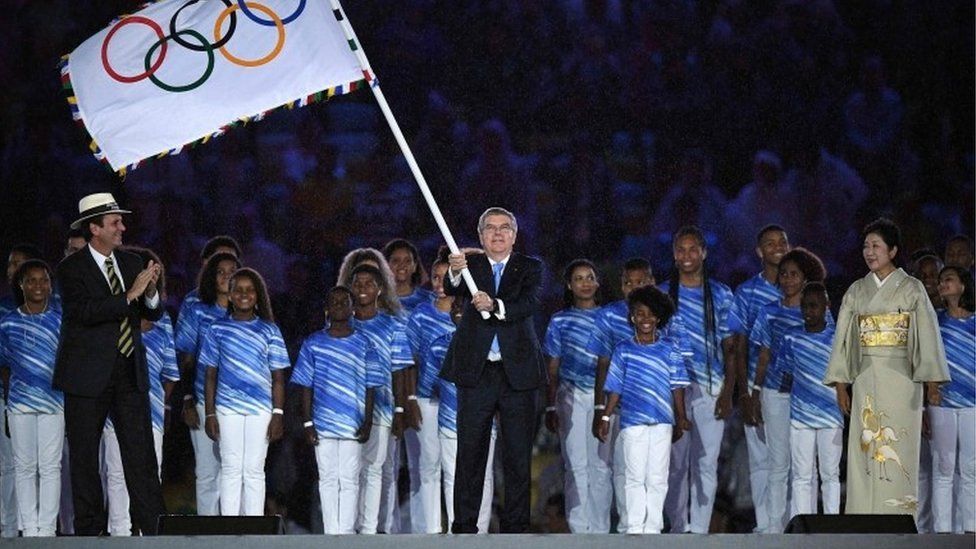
194, 525
852, 524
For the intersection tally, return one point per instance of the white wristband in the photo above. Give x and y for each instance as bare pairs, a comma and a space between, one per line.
605, 418
187, 397
756, 387
550, 408
277, 411
308, 424
600, 407
411, 397
398, 410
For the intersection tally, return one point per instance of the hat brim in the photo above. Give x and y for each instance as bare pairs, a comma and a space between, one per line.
77, 223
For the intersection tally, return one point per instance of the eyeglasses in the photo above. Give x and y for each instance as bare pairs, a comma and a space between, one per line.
504, 229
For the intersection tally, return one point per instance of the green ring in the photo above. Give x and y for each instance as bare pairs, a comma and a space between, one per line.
193, 85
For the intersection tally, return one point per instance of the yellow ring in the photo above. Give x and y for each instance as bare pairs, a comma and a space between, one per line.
247, 62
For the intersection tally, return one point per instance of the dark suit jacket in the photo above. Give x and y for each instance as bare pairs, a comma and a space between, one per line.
90, 324
521, 355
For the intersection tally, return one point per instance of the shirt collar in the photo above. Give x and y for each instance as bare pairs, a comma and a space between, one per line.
504, 262
877, 280
100, 259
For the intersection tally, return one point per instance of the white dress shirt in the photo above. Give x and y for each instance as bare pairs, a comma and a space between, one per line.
100, 259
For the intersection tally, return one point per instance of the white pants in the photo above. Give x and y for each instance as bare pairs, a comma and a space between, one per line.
646, 453
587, 461
424, 461
758, 473
9, 516
339, 461
776, 422
37, 443
206, 454
389, 516
243, 449
953, 447
923, 512
113, 480
375, 453
694, 458
449, 463
811, 449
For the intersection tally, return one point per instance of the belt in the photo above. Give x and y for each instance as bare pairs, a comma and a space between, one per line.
884, 330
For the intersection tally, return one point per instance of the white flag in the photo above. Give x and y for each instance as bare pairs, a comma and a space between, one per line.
179, 72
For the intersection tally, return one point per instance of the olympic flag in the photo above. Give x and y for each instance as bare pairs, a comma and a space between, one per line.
179, 72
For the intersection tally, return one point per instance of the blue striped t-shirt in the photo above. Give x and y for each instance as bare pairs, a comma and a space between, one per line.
338, 370
389, 338
749, 297
813, 405
567, 338
426, 323
644, 376
959, 338
29, 345
192, 324
245, 352
706, 367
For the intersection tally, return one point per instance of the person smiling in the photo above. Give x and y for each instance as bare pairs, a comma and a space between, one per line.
497, 366
244, 392
887, 345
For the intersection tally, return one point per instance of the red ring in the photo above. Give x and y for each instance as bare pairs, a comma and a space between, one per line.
162, 52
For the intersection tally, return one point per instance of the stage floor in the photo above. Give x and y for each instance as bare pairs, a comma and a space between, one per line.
496, 541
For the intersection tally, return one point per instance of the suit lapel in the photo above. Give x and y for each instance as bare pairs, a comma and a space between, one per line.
96, 274
509, 274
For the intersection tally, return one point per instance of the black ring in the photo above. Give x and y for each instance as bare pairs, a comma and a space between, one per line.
195, 47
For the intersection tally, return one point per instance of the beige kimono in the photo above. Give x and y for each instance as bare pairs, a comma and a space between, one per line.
887, 344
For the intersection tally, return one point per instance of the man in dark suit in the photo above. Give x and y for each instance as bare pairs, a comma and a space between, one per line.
101, 366
497, 366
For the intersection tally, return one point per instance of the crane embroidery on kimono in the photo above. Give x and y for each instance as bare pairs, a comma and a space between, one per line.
877, 439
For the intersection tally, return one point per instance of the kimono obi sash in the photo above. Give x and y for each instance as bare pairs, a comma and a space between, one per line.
884, 329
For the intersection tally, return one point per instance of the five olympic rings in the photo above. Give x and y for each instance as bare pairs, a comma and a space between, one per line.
248, 8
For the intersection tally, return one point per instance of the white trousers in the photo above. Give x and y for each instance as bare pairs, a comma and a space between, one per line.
206, 454
811, 449
758, 473
243, 449
424, 461
646, 453
776, 422
953, 449
694, 465
587, 461
113, 480
375, 452
9, 516
37, 443
339, 461
389, 516
449, 463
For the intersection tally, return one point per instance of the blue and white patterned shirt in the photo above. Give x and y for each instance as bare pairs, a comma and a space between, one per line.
415, 299
567, 339
813, 405
749, 297
245, 352
191, 326
161, 364
426, 323
644, 376
339, 370
389, 337
705, 367
959, 338
29, 346
446, 391
610, 327
773, 321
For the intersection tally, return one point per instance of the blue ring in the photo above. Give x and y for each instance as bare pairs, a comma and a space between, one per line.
284, 21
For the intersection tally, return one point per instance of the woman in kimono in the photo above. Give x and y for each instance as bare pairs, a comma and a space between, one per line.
887, 345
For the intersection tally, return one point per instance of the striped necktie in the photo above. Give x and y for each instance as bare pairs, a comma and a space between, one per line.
125, 330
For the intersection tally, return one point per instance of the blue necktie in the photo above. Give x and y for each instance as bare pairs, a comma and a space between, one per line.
497, 269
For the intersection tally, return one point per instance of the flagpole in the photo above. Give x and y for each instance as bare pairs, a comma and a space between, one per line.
357, 48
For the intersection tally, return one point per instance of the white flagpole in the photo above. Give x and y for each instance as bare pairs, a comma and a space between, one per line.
357, 47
